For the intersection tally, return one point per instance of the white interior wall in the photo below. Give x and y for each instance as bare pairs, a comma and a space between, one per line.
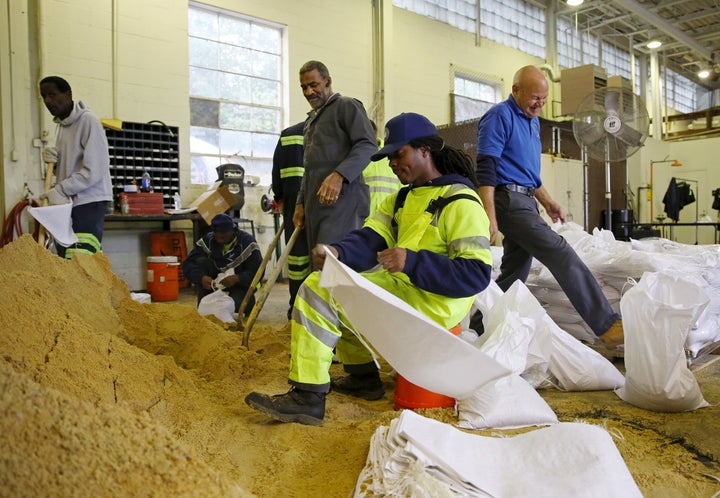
128, 60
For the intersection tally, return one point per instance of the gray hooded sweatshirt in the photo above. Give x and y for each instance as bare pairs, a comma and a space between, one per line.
83, 168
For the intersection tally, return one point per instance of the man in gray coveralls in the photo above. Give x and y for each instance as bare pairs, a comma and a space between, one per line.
338, 140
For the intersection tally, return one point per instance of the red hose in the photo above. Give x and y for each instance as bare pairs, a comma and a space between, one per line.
12, 225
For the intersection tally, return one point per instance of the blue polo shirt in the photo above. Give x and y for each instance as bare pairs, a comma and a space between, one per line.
506, 133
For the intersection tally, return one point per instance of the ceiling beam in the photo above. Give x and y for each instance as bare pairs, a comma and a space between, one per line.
664, 26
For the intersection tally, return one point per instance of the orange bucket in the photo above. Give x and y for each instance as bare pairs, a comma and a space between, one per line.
162, 278
410, 396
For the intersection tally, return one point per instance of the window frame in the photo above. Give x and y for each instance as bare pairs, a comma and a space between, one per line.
245, 108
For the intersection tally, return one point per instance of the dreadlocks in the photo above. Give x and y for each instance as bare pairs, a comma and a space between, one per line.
447, 159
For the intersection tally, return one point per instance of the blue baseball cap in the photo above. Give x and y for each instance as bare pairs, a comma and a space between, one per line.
403, 128
222, 223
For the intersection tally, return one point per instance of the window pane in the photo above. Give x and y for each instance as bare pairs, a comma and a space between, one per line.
266, 65
235, 143
203, 112
235, 87
267, 120
203, 53
206, 140
266, 39
235, 59
234, 30
264, 144
202, 23
202, 169
204, 82
236, 117
265, 92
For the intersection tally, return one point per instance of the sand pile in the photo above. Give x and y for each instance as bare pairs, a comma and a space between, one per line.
103, 396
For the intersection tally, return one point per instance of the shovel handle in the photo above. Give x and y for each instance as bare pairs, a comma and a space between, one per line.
258, 275
265, 290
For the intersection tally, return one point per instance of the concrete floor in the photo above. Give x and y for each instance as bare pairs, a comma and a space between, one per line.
698, 431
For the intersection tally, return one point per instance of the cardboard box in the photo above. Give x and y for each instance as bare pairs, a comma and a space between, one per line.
217, 199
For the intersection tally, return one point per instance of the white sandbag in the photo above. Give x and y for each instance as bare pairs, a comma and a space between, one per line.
507, 403
57, 219
563, 460
141, 297
575, 366
510, 401
416, 347
219, 304
657, 314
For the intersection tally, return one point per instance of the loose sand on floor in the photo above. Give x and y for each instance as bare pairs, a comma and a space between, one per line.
103, 396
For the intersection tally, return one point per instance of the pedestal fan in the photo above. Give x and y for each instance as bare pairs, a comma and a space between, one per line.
610, 124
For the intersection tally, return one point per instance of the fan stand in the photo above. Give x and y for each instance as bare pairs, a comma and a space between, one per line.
608, 193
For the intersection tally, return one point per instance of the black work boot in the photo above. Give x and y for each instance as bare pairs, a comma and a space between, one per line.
303, 407
366, 386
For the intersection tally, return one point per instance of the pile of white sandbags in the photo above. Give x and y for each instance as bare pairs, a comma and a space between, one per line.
617, 265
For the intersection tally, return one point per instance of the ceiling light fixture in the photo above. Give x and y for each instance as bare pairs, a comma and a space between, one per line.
703, 73
574, 3
653, 44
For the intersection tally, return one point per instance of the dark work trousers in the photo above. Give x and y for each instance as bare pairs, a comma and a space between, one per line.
88, 223
299, 256
236, 292
527, 235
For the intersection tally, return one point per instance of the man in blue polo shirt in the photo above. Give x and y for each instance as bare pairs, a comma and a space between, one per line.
508, 170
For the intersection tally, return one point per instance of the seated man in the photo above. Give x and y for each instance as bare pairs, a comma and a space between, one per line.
431, 240
225, 247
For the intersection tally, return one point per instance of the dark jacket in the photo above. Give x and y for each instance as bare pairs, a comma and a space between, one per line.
210, 258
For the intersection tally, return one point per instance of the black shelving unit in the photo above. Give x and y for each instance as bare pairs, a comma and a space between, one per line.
140, 147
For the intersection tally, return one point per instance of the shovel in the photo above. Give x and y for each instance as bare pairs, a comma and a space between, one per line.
258, 275
265, 290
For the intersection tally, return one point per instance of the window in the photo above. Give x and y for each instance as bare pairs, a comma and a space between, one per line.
473, 96
514, 23
236, 92
680, 92
457, 13
575, 47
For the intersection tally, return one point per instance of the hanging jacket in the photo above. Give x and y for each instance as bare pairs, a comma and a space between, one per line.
677, 196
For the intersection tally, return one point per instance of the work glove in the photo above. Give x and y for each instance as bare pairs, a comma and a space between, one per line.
50, 154
54, 197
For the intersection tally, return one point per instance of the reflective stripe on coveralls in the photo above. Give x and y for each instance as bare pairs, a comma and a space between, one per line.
245, 254
318, 321
87, 243
292, 172
298, 267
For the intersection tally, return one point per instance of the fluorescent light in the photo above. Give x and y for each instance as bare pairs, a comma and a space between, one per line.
653, 44
703, 73
574, 3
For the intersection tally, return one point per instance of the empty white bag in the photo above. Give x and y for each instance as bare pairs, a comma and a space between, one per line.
563, 460
57, 219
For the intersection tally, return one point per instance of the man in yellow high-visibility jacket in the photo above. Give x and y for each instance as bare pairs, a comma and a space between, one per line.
432, 242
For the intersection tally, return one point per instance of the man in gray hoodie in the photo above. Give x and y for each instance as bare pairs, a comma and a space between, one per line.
82, 166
